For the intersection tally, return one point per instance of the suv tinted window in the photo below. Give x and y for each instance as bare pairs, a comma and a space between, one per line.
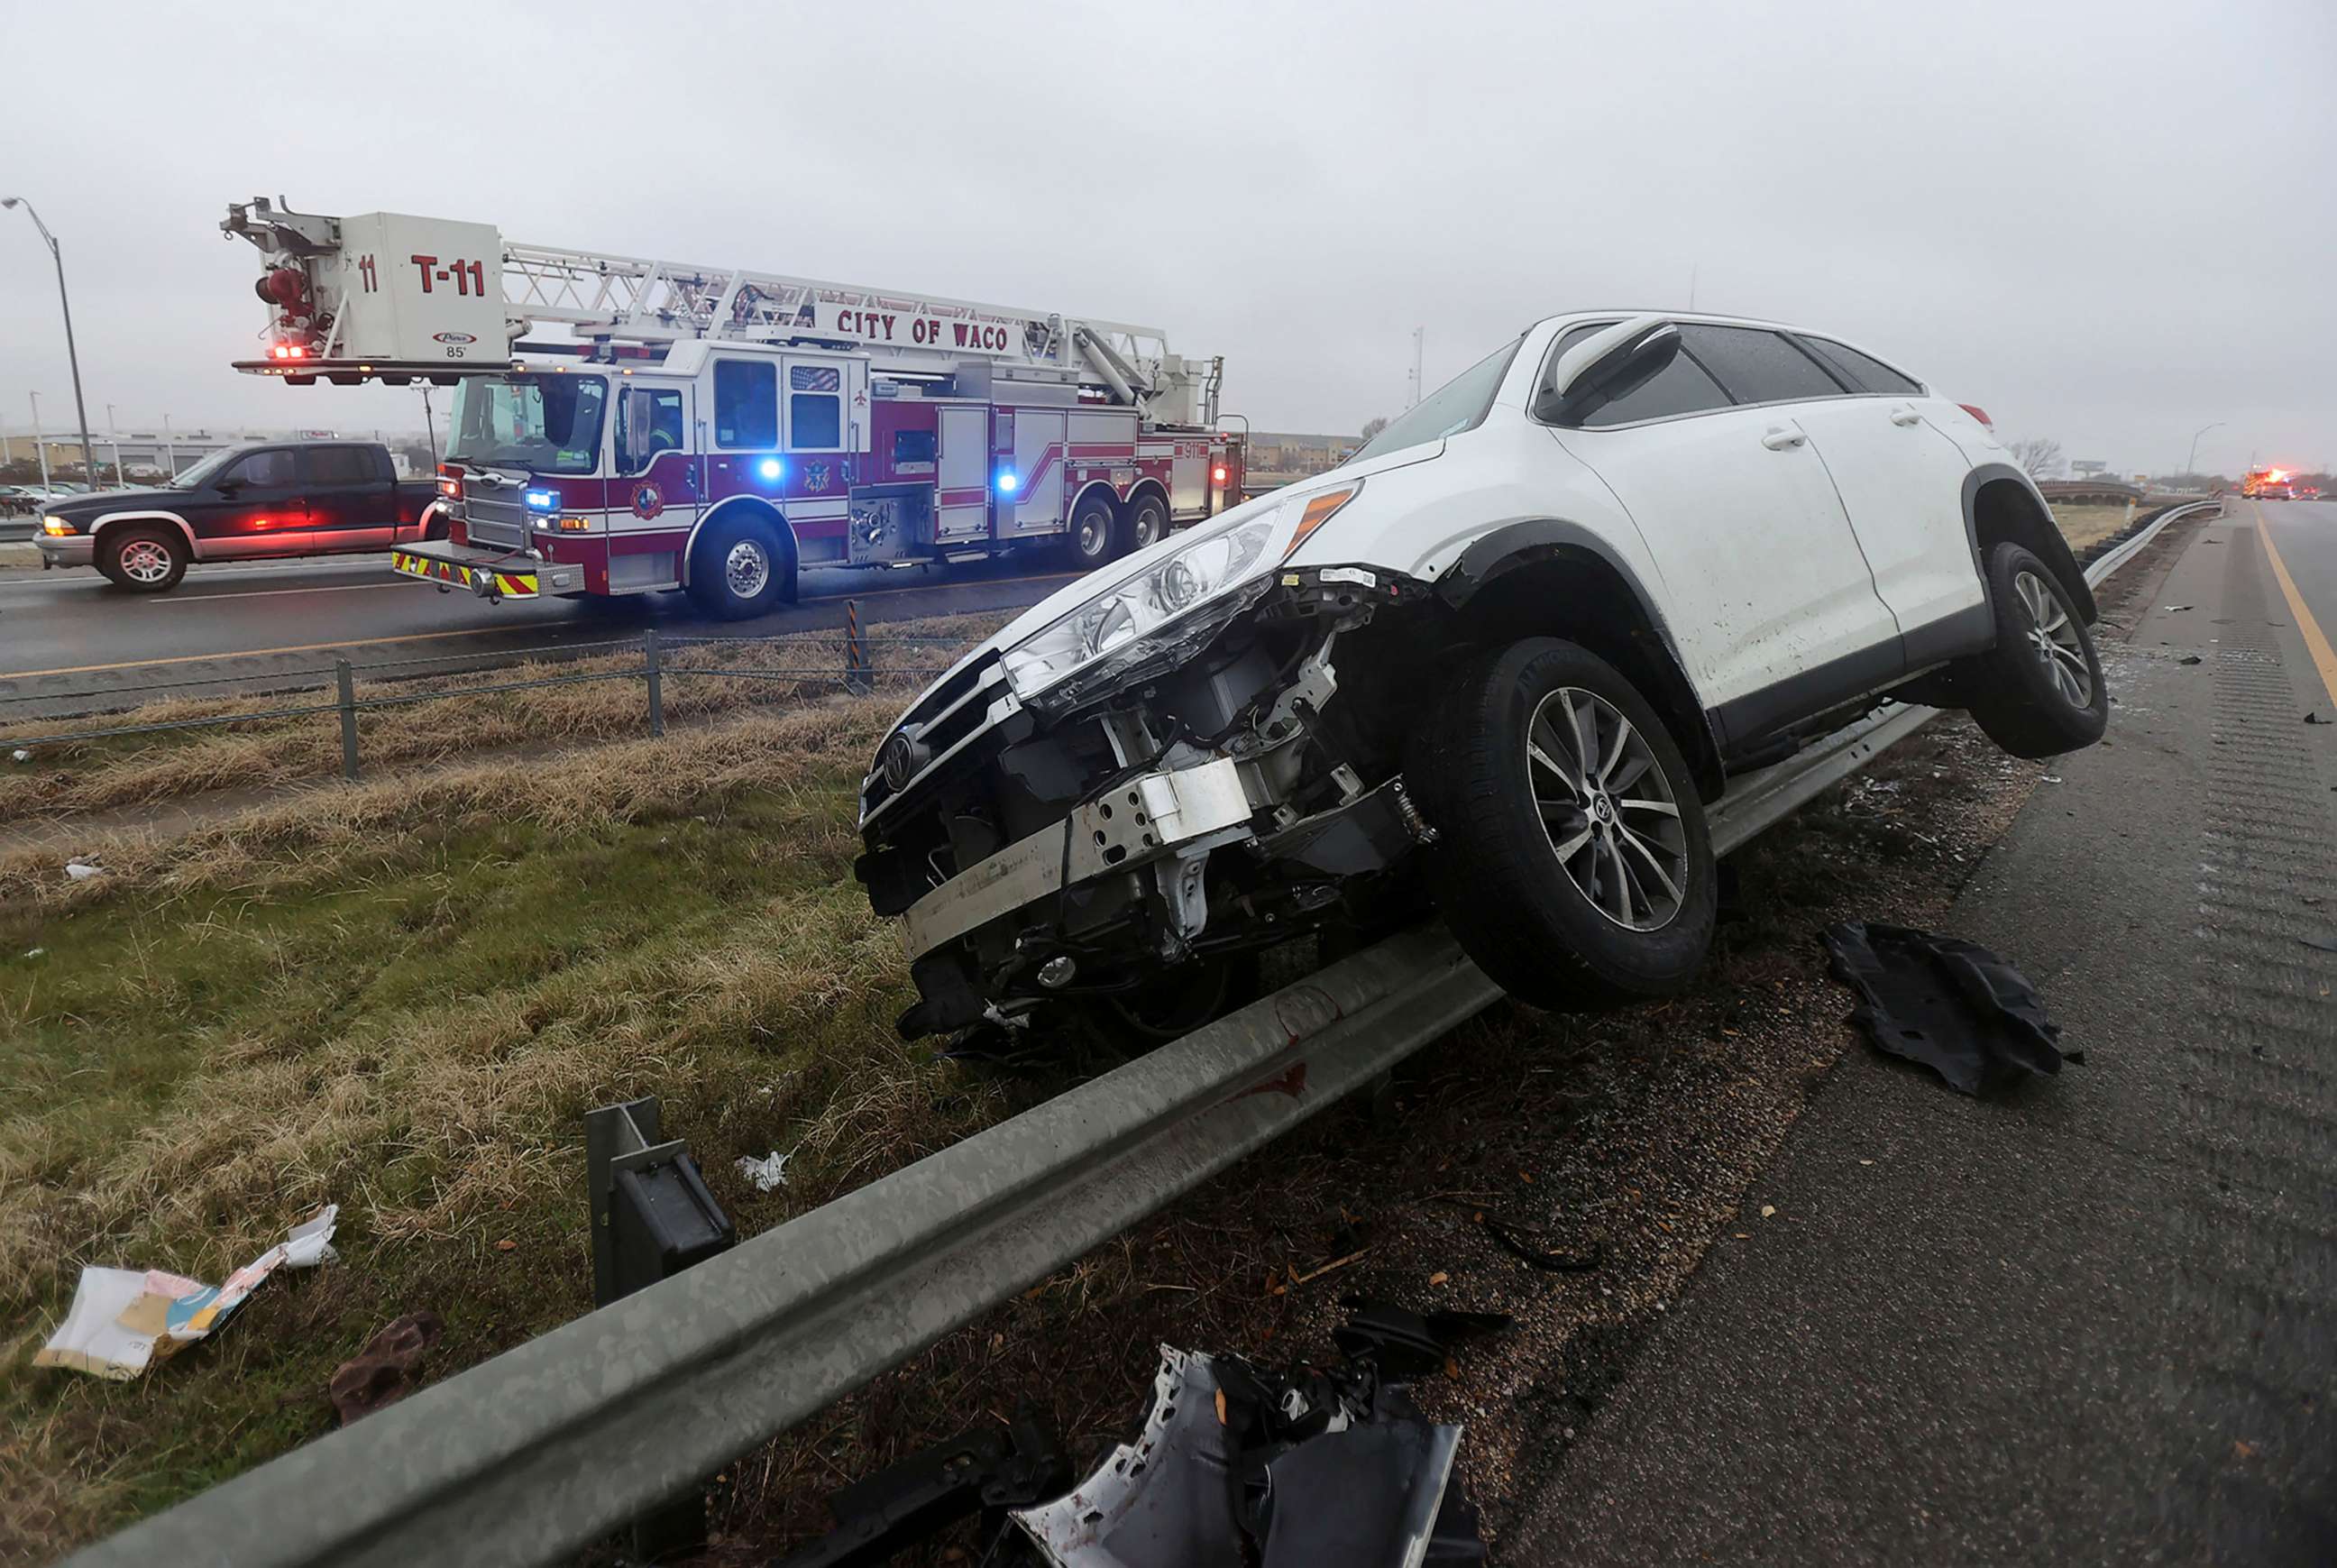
340, 465
745, 404
1758, 366
1862, 372
269, 469
1679, 387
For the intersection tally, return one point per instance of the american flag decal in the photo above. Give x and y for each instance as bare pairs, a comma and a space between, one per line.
814, 377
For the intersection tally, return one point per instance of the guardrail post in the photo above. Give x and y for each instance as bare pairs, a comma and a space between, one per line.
345, 678
656, 681
857, 667
651, 1216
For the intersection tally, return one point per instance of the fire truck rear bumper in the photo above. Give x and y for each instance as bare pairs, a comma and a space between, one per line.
489, 573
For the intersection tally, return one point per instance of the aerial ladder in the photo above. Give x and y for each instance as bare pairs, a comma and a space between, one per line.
400, 298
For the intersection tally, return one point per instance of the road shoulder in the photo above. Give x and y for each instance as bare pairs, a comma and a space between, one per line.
2090, 1321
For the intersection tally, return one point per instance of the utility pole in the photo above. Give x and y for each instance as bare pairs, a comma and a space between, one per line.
169, 449
120, 481
73, 356
40, 447
1419, 344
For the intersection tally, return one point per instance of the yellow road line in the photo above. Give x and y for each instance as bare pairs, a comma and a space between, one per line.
438, 636
2316, 642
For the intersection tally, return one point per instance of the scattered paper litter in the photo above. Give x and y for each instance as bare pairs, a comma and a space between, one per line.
123, 1320
81, 870
769, 1171
20, 755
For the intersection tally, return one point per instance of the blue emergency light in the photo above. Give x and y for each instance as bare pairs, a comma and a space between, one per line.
1006, 481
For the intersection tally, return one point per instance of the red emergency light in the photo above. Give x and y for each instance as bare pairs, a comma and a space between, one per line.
1217, 474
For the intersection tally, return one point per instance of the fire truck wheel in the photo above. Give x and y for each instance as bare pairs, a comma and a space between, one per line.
143, 559
1094, 531
741, 569
1143, 521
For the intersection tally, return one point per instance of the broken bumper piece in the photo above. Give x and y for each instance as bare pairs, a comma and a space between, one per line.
1128, 826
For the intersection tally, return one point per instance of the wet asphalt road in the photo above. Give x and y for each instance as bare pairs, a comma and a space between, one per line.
69, 636
2096, 1321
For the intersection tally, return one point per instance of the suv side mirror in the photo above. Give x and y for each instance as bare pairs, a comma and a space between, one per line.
1605, 366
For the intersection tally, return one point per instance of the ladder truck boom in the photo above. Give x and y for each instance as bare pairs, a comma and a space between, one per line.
622, 425
392, 296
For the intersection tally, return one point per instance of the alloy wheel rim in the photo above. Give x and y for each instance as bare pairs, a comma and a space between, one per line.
1610, 812
145, 560
746, 569
2053, 637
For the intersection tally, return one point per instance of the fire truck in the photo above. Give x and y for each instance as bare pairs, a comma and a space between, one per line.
626, 426
2268, 485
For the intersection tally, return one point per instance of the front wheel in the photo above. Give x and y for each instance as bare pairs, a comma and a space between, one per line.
142, 559
741, 569
1573, 862
2039, 692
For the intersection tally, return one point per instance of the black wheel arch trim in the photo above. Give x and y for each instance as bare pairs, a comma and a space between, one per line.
1533, 540
2049, 546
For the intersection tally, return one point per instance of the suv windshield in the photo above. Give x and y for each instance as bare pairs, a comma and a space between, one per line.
1458, 405
543, 424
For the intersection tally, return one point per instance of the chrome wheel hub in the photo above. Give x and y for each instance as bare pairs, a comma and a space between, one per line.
144, 561
1093, 530
2053, 638
1610, 815
746, 569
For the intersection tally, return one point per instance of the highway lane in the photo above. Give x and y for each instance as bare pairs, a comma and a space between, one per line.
2300, 537
70, 636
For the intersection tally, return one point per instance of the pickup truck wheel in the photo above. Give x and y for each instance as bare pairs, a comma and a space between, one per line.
741, 569
1573, 862
2039, 692
1093, 531
1143, 522
143, 559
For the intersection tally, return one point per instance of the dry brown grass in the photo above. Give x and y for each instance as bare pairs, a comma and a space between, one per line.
263, 753
2084, 525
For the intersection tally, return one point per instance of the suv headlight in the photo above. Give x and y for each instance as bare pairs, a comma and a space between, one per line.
1173, 599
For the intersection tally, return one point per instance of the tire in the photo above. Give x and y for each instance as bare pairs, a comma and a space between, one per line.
1092, 536
741, 568
2039, 692
143, 558
1525, 866
1143, 522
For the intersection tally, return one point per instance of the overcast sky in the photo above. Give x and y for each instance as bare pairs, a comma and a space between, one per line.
2108, 222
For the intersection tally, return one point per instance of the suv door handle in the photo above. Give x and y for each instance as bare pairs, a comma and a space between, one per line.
1905, 417
1781, 439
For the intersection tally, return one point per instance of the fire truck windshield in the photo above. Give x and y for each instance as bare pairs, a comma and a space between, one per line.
543, 424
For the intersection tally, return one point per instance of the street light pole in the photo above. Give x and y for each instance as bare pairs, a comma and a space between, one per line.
2187, 462
170, 450
73, 356
40, 447
114, 437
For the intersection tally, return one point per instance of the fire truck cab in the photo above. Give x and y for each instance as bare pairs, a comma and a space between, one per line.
719, 430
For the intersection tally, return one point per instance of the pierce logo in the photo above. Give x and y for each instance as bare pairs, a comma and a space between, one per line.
451, 338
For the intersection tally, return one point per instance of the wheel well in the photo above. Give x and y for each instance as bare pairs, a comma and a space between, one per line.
1089, 491
2005, 510
1575, 594
1151, 487
760, 511
165, 521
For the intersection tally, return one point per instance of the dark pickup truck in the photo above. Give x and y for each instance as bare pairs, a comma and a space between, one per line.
272, 498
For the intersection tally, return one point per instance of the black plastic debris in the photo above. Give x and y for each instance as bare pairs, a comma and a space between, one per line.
986, 1469
1949, 1004
2189, 659
1308, 1468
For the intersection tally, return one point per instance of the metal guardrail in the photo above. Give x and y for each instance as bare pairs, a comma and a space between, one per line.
561, 1442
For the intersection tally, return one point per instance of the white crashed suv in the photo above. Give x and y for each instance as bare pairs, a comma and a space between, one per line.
1504, 658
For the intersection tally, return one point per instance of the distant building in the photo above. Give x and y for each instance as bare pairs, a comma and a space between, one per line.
1285, 455
155, 453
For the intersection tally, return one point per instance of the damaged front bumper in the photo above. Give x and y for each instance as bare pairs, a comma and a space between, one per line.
1195, 811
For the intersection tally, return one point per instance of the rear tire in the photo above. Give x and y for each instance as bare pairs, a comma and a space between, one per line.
1570, 885
1093, 532
1143, 522
142, 558
741, 569
2039, 692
